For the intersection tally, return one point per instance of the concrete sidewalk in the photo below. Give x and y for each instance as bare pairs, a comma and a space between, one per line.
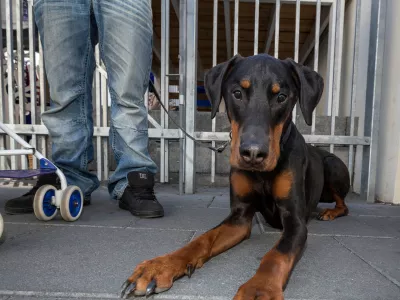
355, 257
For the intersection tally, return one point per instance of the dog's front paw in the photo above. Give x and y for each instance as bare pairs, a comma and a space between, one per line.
155, 276
259, 288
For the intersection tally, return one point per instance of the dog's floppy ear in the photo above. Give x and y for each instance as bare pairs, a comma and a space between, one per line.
213, 80
311, 86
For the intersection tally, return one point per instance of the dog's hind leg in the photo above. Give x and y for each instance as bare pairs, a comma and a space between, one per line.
336, 187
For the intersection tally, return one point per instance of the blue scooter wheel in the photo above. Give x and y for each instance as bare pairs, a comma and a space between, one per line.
71, 203
44, 203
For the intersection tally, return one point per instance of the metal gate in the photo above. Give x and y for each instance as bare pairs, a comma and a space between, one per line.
187, 41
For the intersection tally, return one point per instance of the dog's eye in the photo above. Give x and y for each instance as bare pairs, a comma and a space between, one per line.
237, 95
281, 98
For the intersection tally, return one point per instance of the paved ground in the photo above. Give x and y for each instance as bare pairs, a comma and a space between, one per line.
356, 257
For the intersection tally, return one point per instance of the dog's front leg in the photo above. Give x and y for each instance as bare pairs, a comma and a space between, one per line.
157, 275
273, 273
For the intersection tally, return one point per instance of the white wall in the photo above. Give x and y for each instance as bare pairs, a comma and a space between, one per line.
388, 166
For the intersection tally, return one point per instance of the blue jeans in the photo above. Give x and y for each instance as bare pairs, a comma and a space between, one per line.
69, 31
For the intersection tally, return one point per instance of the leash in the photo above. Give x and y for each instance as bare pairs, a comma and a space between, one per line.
216, 149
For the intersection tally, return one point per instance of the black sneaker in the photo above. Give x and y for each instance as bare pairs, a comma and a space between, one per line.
139, 196
24, 203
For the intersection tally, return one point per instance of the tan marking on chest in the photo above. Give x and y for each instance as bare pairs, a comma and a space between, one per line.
241, 184
282, 185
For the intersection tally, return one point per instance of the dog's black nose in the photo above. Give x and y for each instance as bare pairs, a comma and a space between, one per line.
254, 154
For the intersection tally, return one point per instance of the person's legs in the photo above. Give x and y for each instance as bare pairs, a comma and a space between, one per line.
125, 39
68, 34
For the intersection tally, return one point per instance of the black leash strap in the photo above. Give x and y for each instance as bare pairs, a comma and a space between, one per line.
219, 149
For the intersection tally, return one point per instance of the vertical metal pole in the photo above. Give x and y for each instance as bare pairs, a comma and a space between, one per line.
277, 20
32, 73
214, 62
256, 25
43, 99
10, 73
20, 61
373, 99
166, 91
21, 72
2, 107
331, 53
236, 29
353, 100
163, 86
191, 94
296, 49
337, 67
316, 52
182, 91
165, 6
104, 99
98, 111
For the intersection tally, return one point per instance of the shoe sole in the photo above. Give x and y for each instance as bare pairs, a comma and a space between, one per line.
20, 211
141, 214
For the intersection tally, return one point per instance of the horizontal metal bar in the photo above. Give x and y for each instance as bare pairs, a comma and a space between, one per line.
98, 131
323, 2
312, 139
16, 152
173, 75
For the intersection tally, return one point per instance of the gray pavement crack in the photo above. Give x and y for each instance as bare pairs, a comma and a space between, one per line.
212, 200
379, 270
192, 236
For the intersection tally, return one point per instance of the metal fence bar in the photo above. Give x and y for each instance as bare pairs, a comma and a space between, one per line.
165, 4
307, 2
10, 73
32, 73
2, 108
165, 161
43, 99
331, 54
20, 65
316, 52
98, 111
354, 86
164, 60
256, 25
104, 105
20, 71
182, 92
154, 133
236, 29
374, 86
277, 20
214, 62
337, 67
312, 139
296, 49
191, 84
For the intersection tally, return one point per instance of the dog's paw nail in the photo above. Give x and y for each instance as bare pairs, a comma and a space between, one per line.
151, 288
127, 289
189, 270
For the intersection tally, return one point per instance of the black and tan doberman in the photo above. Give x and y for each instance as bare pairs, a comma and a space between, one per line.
273, 171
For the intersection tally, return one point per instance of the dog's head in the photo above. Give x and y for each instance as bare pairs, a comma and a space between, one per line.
260, 92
